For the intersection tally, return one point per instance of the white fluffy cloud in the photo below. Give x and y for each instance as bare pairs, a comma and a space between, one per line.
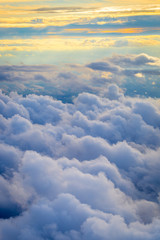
87, 170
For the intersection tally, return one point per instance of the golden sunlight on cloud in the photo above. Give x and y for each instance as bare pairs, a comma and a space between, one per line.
113, 22
143, 41
64, 43
139, 75
55, 43
21, 1
38, 21
40, 15
131, 2
125, 30
106, 75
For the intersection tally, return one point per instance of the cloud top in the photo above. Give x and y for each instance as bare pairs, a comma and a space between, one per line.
86, 170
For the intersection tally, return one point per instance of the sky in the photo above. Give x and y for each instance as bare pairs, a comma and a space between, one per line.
79, 120
50, 32
66, 33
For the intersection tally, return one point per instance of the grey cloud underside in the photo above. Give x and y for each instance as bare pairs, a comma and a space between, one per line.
87, 170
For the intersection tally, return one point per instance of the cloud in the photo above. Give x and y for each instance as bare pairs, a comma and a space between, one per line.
104, 66
79, 170
9, 159
113, 92
121, 43
133, 73
87, 14
134, 60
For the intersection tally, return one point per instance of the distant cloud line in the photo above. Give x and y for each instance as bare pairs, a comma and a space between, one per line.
135, 74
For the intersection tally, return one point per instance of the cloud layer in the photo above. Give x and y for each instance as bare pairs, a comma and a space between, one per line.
135, 74
86, 170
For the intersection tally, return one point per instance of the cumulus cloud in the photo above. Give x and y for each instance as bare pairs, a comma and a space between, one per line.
86, 170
